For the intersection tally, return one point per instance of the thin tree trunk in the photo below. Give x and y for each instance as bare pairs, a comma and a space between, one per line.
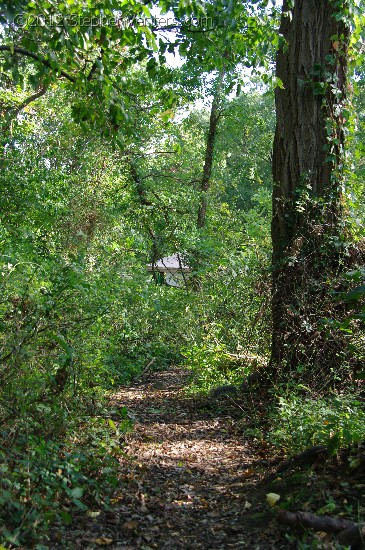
209, 150
307, 157
155, 253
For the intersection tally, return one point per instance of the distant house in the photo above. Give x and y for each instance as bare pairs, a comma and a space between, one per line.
171, 270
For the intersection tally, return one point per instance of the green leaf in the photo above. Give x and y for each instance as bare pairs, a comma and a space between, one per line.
66, 517
77, 492
334, 443
64, 345
80, 505
355, 294
112, 424
319, 88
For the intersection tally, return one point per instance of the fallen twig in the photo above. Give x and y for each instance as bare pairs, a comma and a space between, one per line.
149, 364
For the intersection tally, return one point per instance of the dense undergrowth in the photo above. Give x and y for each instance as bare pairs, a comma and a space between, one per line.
80, 314
46, 479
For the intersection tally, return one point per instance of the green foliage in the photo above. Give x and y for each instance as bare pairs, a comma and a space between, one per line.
232, 340
243, 149
111, 57
92, 49
212, 366
44, 482
58, 221
300, 422
355, 297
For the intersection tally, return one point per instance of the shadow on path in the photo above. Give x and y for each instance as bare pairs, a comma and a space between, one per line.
191, 480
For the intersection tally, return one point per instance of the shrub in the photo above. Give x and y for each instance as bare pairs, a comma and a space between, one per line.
335, 421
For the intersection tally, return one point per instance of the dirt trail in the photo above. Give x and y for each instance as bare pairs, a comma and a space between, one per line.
192, 479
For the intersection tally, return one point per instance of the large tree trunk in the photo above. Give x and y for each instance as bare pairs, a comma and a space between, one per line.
307, 159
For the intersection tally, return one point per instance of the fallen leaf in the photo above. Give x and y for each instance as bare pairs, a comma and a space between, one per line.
92, 514
249, 472
116, 499
132, 524
272, 498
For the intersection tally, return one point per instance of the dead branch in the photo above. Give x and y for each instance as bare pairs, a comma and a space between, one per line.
149, 364
318, 523
348, 532
353, 536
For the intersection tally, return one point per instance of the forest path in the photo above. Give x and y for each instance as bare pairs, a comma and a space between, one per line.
191, 479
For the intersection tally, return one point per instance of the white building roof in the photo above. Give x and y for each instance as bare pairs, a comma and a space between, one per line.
171, 264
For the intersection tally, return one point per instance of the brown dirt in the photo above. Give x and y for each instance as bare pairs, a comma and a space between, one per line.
192, 478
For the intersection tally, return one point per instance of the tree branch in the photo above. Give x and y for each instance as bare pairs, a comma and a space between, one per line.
30, 99
45, 62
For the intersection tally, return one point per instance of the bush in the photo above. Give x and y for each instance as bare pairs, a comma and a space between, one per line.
336, 421
43, 481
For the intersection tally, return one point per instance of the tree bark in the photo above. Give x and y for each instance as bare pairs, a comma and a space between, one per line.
318, 523
209, 151
307, 159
